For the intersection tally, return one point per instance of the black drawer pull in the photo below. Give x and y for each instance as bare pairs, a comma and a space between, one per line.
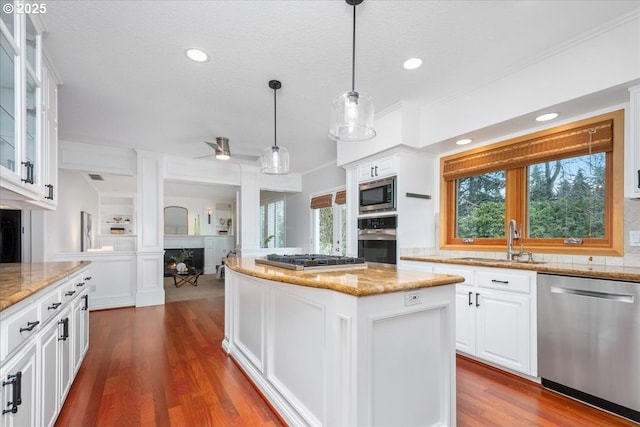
68, 294
54, 306
477, 302
87, 278
503, 282
16, 393
30, 326
80, 284
65, 329
470, 302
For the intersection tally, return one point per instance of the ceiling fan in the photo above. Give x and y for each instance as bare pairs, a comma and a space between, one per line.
223, 152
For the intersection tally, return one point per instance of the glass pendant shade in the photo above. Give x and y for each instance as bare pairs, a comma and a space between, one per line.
223, 152
352, 117
352, 112
275, 160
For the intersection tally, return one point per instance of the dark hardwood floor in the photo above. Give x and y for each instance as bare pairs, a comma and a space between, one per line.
164, 366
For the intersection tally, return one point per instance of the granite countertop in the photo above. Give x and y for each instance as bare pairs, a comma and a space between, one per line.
372, 280
596, 271
21, 280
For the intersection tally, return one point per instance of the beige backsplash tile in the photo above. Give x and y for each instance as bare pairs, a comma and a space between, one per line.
631, 256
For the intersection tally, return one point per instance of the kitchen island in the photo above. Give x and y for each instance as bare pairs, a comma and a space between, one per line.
369, 346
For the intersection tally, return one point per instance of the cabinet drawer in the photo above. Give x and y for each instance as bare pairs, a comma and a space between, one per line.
19, 327
50, 305
503, 281
68, 291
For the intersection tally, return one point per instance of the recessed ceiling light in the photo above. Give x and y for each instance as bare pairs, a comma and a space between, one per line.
197, 55
545, 117
463, 141
412, 63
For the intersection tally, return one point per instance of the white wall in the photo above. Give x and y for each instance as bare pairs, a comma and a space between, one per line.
298, 214
75, 195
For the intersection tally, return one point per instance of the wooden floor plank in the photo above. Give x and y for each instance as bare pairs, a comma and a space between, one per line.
164, 366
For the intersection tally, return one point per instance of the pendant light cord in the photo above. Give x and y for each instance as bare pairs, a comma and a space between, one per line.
353, 52
275, 125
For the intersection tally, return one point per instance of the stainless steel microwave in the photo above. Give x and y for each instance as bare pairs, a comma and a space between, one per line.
377, 196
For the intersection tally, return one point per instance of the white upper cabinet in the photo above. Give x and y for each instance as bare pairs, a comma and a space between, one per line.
632, 146
377, 169
26, 172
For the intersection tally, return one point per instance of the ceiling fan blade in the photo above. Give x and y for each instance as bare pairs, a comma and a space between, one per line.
250, 157
211, 144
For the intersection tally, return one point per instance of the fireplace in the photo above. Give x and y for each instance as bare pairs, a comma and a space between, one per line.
197, 261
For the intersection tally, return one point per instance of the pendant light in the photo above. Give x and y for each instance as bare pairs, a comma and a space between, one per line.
223, 152
275, 160
352, 112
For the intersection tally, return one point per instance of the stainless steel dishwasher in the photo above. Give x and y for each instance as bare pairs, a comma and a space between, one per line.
589, 341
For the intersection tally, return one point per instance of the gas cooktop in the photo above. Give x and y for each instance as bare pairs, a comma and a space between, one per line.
312, 262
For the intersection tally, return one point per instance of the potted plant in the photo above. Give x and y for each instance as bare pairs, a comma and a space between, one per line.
183, 257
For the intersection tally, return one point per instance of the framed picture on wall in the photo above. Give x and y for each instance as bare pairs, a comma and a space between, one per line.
85, 231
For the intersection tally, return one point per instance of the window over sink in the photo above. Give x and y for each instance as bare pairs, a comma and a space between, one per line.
563, 186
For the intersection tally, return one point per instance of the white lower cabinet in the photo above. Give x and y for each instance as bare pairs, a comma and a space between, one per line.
496, 316
49, 376
502, 329
50, 355
80, 329
19, 377
465, 319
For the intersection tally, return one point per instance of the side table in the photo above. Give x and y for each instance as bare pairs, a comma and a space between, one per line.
190, 277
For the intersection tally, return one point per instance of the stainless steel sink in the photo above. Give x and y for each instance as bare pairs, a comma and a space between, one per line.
498, 260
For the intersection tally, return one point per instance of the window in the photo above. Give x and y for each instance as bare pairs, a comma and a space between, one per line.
329, 223
272, 224
561, 185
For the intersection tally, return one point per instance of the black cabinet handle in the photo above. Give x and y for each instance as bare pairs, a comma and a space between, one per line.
470, 302
50, 191
16, 393
30, 326
54, 306
502, 282
65, 329
372, 175
477, 303
29, 178
86, 302
80, 284
376, 170
87, 278
638, 178
68, 294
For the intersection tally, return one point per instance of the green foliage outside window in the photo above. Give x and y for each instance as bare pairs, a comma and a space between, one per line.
480, 206
566, 198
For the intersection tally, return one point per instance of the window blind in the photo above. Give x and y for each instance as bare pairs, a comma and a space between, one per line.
568, 143
323, 201
341, 197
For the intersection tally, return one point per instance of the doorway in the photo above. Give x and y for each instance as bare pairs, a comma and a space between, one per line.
10, 235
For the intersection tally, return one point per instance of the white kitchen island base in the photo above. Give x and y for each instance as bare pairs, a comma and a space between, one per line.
326, 358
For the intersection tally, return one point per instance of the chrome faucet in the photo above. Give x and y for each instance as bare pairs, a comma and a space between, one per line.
512, 235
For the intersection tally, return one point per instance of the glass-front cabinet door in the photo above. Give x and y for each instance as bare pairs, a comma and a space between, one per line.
8, 94
20, 93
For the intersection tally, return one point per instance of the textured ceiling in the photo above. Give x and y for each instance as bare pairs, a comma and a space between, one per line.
127, 82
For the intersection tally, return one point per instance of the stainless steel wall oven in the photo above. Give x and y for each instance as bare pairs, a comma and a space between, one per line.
377, 242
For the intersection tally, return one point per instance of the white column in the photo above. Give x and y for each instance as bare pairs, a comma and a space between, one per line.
150, 254
249, 208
